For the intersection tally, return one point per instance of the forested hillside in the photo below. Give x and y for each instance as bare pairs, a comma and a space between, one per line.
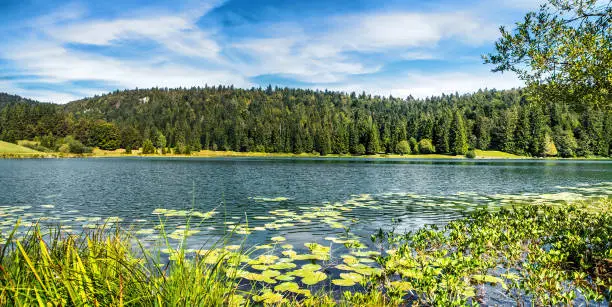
295, 120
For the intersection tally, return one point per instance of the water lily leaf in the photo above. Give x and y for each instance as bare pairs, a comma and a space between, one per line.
289, 253
352, 276
283, 266
278, 239
311, 267
313, 278
268, 297
270, 273
285, 277
366, 260
343, 282
287, 246
350, 260
365, 253
265, 246
264, 259
254, 277
287, 287
260, 267
344, 267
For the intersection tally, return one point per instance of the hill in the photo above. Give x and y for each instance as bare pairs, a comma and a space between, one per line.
10, 148
287, 120
6, 99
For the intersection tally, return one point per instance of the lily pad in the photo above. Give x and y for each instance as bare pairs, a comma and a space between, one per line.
313, 278
278, 239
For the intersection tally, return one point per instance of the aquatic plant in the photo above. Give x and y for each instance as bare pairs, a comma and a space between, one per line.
544, 254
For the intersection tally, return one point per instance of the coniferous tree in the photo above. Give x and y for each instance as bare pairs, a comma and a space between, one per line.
459, 144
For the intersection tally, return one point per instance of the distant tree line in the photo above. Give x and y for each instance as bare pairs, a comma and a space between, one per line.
307, 121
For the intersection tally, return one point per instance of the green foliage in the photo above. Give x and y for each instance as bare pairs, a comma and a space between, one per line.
70, 145
563, 52
566, 143
147, 147
130, 138
532, 254
306, 121
403, 148
160, 140
526, 253
47, 141
360, 150
550, 150
470, 154
458, 137
426, 147
104, 135
414, 145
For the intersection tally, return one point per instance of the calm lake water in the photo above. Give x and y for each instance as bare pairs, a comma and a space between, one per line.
304, 200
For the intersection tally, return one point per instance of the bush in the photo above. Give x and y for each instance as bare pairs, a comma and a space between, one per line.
48, 141
35, 146
360, 150
147, 147
70, 145
403, 148
414, 146
426, 146
471, 154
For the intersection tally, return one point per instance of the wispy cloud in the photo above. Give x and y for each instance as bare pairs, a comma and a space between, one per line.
72, 48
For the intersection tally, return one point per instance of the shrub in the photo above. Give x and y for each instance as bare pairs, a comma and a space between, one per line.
35, 146
414, 146
471, 154
147, 147
403, 148
70, 145
360, 150
426, 147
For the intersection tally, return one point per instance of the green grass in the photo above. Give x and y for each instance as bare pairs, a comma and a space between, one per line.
494, 154
10, 148
541, 254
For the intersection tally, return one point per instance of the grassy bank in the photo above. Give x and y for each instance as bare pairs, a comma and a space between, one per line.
9, 150
543, 255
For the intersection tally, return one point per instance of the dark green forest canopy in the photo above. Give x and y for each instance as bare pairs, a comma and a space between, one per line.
306, 121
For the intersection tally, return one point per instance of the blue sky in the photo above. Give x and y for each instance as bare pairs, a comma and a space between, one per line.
60, 51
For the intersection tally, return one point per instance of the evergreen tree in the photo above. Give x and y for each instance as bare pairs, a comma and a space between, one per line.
459, 144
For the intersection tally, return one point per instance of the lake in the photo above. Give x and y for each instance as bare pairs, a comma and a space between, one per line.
303, 200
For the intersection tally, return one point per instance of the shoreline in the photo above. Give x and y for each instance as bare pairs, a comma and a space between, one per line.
120, 153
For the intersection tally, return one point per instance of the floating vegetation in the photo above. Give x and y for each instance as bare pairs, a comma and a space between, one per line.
278, 239
406, 265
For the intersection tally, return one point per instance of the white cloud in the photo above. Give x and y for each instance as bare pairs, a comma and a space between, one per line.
58, 65
352, 48
421, 85
323, 57
408, 30
298, 58
177, 32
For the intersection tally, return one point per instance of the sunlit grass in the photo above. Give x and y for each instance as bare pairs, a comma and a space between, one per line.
10, 148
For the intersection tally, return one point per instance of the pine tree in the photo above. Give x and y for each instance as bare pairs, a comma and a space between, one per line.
459, 144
